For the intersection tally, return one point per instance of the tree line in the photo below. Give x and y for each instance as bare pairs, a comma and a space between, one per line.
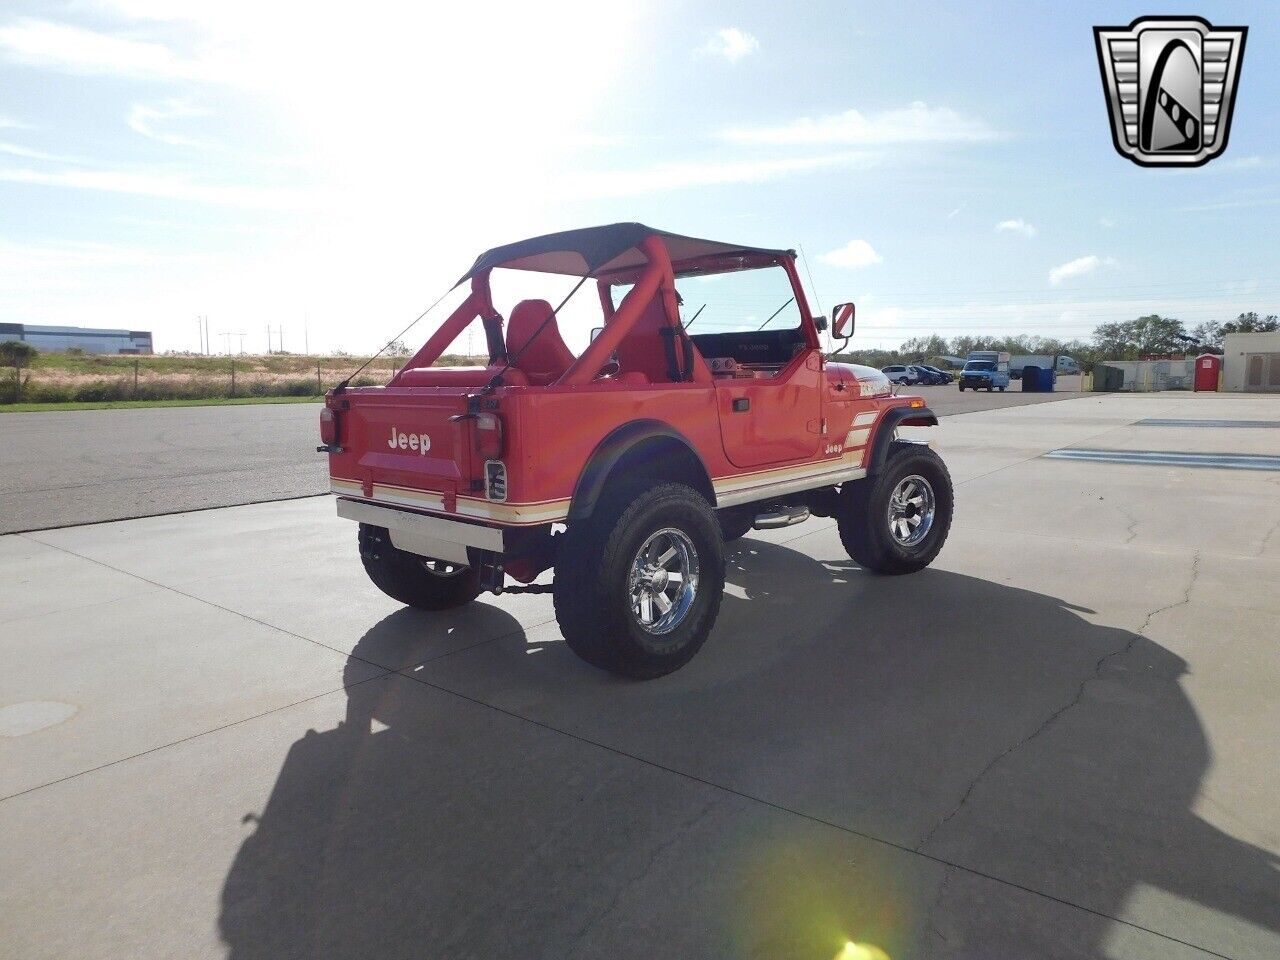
1126, 340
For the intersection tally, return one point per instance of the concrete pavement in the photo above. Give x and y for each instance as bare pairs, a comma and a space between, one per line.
63, 468
221, 740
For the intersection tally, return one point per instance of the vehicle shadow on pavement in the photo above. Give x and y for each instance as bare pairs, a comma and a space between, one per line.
995, 730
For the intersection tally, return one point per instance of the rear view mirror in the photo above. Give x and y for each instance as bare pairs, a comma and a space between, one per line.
842, 321
595, 332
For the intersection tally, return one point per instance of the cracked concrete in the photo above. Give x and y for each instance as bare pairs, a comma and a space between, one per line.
1053, 743
1057, 714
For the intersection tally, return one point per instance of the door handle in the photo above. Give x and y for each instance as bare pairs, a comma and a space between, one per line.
741, 404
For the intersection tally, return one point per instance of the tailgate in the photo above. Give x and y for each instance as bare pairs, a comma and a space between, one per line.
406, 442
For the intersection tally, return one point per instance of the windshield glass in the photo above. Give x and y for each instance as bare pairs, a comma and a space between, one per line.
979, 365
742, 301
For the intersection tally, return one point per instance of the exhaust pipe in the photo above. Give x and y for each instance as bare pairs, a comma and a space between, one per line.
781, 518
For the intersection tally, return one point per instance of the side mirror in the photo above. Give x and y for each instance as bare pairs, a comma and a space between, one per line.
842, 321
595, 332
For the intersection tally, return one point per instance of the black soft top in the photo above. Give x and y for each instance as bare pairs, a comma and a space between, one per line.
593, 251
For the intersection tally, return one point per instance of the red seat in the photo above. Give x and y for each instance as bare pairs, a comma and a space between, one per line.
546, 358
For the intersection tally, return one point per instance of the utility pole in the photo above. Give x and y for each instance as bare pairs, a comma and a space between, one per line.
199, 335
241, 336
226, 335
268, 339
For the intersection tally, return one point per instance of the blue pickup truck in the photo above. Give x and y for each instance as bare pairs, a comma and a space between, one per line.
985, 370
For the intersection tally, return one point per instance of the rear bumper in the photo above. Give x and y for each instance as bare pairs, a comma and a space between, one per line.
426, 536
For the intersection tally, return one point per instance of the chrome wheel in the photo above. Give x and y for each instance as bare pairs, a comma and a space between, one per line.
911, 509
663, 581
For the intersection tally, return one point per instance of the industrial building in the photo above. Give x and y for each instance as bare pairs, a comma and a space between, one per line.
57, 339
1251, 362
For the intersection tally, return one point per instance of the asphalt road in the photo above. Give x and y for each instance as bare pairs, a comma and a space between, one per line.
86, 466
219, 740
61, 469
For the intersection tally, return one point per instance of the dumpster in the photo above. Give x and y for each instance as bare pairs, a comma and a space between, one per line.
1037, 380
1208, 369
1107, 379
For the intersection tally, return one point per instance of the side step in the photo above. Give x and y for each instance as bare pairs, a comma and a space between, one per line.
781, 518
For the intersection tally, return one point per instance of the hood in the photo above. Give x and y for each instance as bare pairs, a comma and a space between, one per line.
871, 382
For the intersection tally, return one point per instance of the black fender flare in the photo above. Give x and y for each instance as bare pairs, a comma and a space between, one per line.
894, 418
610, 451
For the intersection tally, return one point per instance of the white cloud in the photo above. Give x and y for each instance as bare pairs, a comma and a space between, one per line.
17, 150
1249, 162
8, 123
1016, 226
854, 254
1107, 222
676, 176
76, 50
147, 120
953, 213
1078, 268
917, 123
730, 43
61, 256
164, 186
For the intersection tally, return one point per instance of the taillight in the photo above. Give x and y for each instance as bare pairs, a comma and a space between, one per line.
489, 436
328, 426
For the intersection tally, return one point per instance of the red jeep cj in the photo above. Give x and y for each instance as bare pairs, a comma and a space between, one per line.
702, 407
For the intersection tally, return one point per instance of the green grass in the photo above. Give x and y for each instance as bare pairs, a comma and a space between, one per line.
123, 404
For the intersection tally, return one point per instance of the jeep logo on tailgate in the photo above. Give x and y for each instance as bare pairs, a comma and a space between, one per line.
409, 441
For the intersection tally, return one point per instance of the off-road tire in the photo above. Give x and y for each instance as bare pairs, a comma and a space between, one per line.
406, 577
862, 514
735, 522
592, 591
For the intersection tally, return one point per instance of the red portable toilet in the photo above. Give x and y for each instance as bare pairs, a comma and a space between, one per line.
1208, 369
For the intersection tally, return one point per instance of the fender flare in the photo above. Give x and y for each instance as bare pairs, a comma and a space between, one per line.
894, 418
612, 449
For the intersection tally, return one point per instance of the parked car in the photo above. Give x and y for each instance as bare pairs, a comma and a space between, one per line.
928, 376
986, 370
901, 373
626, 468
946, 375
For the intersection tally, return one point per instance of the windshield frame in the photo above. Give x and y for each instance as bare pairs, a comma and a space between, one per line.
718, 265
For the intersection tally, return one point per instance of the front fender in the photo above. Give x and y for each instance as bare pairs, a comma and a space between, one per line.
894, 418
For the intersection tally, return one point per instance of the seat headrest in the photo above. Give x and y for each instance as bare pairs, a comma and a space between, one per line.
546, 358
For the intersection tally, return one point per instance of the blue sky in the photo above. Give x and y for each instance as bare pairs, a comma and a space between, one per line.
947, 166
